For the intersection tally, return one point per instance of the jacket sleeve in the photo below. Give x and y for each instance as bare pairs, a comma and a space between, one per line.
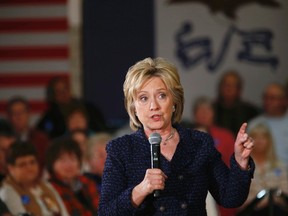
230, 187
115, 196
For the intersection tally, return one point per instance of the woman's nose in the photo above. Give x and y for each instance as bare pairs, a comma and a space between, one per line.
154, 105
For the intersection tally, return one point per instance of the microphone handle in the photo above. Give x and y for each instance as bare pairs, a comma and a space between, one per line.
156, 193
155, 162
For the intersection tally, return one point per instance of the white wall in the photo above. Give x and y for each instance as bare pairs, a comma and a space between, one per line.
198, 80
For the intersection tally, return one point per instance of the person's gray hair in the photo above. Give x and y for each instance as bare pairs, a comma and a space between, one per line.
98, 139
202, 100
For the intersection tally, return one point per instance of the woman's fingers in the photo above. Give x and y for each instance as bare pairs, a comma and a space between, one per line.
242, 129
154, 179
243, 138
249, 143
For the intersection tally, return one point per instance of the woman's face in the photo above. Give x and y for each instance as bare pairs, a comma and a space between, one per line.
5, 142
97, 162
204, 115
81, 139
262, 143
62, 92
67, 167
77, 121
154, 105
19, 116
230, 88
25, 170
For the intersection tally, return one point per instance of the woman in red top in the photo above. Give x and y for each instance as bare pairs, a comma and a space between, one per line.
79, 193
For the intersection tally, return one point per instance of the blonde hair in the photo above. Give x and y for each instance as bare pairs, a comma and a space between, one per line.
145, 69
265, 131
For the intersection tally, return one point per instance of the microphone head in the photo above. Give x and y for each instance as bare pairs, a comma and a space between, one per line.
155, 138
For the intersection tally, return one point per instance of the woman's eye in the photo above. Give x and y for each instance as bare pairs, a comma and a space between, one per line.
162, 95
143, 98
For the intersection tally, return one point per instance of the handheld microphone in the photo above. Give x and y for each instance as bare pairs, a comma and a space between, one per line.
155, 140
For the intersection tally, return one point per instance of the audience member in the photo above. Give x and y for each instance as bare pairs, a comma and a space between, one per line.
203, 116
97, 156
230, 109
78, 192
78, 128
123, 130
18, 113
275, 103
77, 119
81, 137
7, 137
270, 173
22, 190
60, 102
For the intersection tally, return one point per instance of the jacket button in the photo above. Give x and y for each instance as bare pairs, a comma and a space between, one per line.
184, 205
162, 208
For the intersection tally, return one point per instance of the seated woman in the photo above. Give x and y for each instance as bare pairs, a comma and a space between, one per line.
78, 192
270, 174
81, 137
22, 190
96, 156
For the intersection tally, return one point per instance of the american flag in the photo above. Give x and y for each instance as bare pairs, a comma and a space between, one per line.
34, 47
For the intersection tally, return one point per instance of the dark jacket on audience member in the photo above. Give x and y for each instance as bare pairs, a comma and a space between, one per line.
233, 117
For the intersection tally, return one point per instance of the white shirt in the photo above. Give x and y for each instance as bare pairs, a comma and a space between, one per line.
14, 203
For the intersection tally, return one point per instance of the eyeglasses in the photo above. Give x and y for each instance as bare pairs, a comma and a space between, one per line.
22, 164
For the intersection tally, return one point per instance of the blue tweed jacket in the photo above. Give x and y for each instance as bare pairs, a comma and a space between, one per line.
195, 168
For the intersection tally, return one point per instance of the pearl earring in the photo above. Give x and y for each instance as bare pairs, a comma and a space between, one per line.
173, 108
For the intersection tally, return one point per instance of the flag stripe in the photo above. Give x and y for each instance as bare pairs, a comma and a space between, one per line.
29, 39
33, 25
33, 11
32, 53
34, 47
28, 79
38, 106
27, 2
40, 66
38, 93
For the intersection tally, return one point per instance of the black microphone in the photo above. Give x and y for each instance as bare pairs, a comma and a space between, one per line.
155, 140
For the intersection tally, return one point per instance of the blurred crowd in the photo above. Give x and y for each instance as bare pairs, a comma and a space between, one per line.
54, 167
